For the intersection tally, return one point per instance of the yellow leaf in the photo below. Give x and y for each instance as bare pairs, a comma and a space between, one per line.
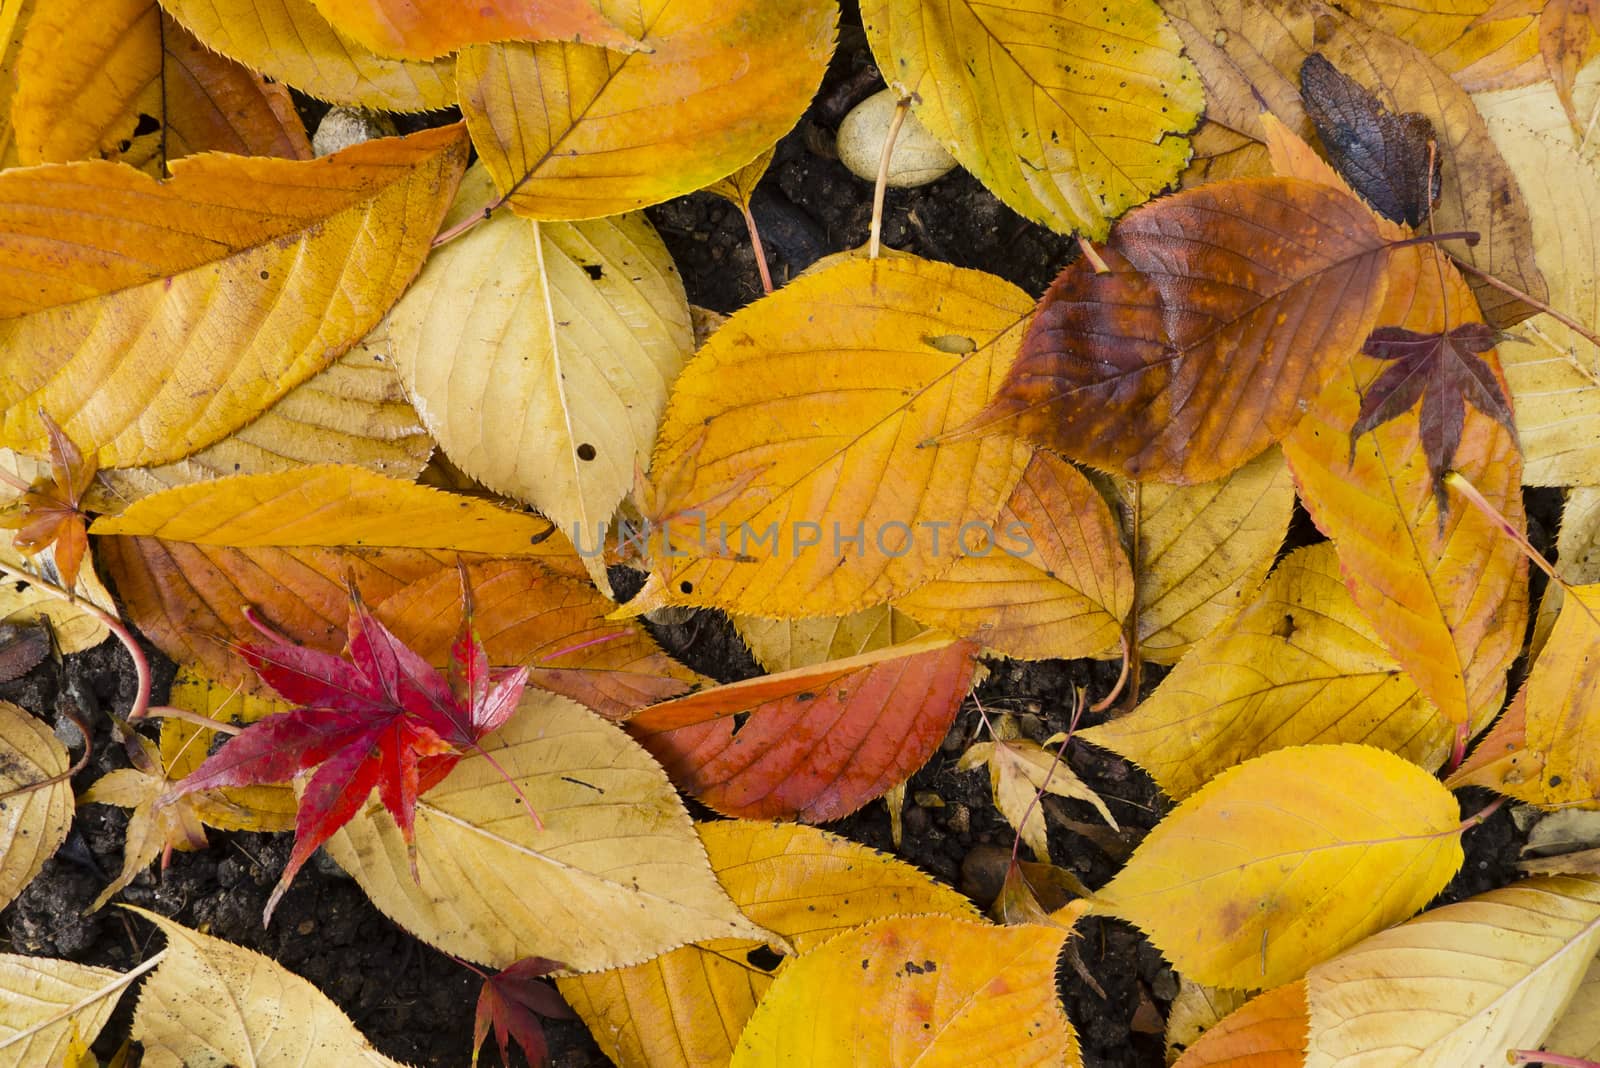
1538, 108
1459, 985
686, 1008
14, 18
92, 74
424, 29
1196, 1010
1554, 372
577, 132
1481, 43
1053, 582
188, 560
917, 990
254, 1011
807, 420
785, 644
1071, 114
614, 875
1203, 550
290, 41
1448, 599
540, 355
1299, 665
48, 1002
355, 412
155, 371
75, 629
1249, 54
740, 186
33, 822
1577, 1030
1020, 772
1283, 861
1269, 1031
1577, 558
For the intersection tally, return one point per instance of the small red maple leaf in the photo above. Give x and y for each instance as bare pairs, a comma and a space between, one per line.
512, 1001
48, 511
1446, 372
383, 718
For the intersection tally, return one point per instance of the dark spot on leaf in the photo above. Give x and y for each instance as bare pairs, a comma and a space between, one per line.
586, 451
594, 271
147, 124
805, 695
686, 586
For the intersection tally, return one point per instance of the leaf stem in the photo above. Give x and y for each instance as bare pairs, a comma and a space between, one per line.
461, 227
1479, 818
1506, 287
757, 247
1462, 485
1471, 237
171, 712
141, 666
881, 187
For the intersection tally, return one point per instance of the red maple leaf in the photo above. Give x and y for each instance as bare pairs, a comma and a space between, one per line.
1445, 371
48, 511
512, 1001
382, 718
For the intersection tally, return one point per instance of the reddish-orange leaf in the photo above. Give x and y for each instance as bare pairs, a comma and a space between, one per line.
511, 1001
553, 625
425, 29
48, 512
1223, 309
1268, 1031
819, 742
1445, 591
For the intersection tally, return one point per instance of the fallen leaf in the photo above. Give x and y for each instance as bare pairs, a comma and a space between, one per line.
1444, 590
48, 1001
50, 513
1053, 581
685, 1009
291, 42
1069, 116
1223, 309
575, 132
1268, 1031
1460, 984
1204, 550
1249, 55
512, 1000
809, 420
1284, 860
1021, 772
187, 560
740, 186
917, 990
1577, 1030
151, 352
784, 644
120, 80
427, 29
540, 356
615, 875
34, 818
14, 18
1299, 665
1196, 1010
1577, 559
260, 1009
818, 742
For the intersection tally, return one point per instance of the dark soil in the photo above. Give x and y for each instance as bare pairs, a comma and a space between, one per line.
415, 1004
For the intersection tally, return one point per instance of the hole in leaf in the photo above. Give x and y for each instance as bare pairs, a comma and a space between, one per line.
586, 451
739, 720
594, 271
764, 958
147, 124
686, 587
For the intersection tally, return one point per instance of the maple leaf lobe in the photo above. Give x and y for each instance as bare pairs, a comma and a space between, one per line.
1446, 371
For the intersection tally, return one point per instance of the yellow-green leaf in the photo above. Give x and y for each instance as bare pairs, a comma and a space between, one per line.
1071, 114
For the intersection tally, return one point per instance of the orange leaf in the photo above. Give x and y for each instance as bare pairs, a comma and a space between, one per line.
120, 80
1269, 1031
555, 625
424, 29
1446, 594
1223, 308
819, 742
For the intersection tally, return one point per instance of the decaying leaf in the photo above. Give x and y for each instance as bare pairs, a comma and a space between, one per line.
801, 883
917, 990
34, 818
253, 1010
818, 742
1222, 309
1069, 116
1021, 771
1299, 665
614, 875
799, 471
1460, 984
1196, 1010
142, 357
50, 1001
1284, 860
577, 132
